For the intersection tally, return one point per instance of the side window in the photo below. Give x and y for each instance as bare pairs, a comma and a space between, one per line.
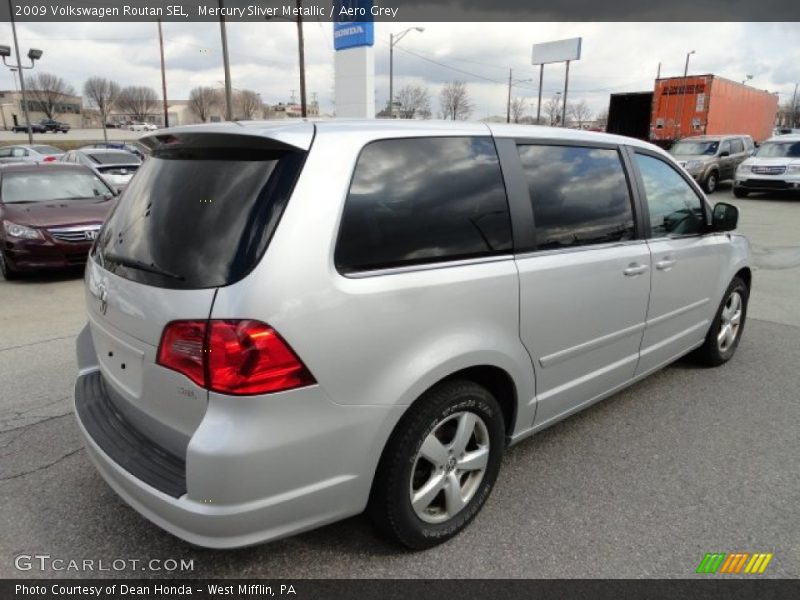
675, 208
421, 200
725, 147
5, 152
19, 152
737, 147
579, 195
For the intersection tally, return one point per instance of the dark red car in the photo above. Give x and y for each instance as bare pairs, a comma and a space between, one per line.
49, 215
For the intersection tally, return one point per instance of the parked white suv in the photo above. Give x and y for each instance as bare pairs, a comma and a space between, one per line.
290, 323
775, 166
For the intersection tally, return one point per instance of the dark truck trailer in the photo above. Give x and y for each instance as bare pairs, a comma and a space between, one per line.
629, 114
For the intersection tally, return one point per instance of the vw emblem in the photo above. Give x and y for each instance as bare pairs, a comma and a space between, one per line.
103, 301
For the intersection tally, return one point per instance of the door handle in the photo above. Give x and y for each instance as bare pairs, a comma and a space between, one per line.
666, 264
633, 270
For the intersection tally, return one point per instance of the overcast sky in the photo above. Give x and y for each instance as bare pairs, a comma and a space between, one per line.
617, 57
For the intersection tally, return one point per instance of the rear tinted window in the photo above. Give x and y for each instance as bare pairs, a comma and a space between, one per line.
112, 158
198, 216
47, 150
579, 196
424, 200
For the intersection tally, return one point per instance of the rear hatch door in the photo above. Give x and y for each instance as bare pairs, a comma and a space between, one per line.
199, 215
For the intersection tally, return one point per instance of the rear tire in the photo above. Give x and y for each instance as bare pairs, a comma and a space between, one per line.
6, 271
740, 193
710, 182
445, 453
727, 327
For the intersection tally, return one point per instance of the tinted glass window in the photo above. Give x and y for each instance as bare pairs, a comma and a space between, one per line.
424, 200
725, 147
579, 195
737, 146
47, 185
198, 216
47, 150
112, 158
674, 206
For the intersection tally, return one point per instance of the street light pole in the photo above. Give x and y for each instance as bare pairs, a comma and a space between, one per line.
678, 123
393, 40
21, 76
564, 108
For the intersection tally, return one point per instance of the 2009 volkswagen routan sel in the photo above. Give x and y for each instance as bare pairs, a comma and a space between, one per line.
290, 323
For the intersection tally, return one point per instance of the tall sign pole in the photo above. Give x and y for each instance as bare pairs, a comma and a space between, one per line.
555, 52
354, 59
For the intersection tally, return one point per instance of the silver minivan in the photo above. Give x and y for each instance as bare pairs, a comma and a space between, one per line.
290, 323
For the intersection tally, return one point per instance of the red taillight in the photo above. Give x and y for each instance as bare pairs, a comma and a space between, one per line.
50, 158
182, 349
241, 357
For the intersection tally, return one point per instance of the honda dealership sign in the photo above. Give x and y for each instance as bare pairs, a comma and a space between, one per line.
354, 59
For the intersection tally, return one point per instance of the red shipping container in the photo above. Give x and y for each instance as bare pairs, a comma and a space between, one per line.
708, 104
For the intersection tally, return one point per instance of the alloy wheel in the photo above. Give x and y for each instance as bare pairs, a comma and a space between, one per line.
730, 321
449, 467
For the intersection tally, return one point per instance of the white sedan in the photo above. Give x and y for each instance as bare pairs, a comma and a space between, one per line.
137, 126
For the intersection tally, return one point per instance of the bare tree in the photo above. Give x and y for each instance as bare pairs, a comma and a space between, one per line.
138, 101
602, 119
248, 104
790, 115
415, 101
552, 108
518, 109
103, 94
455, 102
49, 92
203, 101
580, 113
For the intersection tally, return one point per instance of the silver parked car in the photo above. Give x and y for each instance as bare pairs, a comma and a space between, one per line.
290, 323
712, 158
38, 153
117, 167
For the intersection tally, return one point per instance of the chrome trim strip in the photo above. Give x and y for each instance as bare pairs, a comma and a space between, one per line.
429, 266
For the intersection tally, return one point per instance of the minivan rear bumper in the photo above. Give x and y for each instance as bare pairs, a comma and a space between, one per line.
338, 470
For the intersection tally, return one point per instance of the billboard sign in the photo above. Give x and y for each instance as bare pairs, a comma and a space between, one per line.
353, 33
558, 51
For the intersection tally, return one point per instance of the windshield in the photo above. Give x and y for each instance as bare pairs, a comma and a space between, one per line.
694, 148
779, 150
47, 150
203, 215
44, 186
113, 158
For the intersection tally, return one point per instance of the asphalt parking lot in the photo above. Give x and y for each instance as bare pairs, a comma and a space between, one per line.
643, 484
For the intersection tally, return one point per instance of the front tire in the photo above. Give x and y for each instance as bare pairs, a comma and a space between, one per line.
439, 465
726, 328
6, 271
710, 182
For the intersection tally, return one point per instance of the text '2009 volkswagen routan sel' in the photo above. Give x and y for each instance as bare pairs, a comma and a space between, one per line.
289, 324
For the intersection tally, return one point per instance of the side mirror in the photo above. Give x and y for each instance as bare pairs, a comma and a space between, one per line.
724, 153
725, 217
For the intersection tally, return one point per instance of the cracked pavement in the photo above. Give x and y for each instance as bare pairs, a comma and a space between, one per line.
641, 485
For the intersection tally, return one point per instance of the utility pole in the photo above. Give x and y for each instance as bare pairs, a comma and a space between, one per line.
508, 104
226, 66
391, 76
658, 72
794, 107
163, 75
301, 55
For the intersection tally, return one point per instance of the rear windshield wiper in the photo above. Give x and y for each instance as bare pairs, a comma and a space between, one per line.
141, 266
